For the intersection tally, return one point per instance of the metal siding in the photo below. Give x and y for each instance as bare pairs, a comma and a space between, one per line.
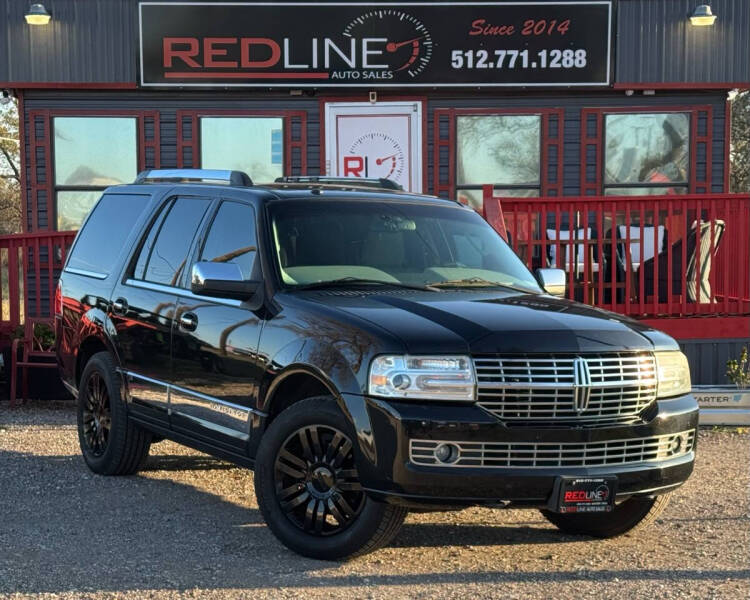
92, 41
708, 358
656, 42
96, 42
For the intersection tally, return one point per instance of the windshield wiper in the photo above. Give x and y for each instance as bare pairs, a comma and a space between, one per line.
345, 281
479, 282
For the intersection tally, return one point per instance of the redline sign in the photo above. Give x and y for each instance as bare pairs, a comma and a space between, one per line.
429, 44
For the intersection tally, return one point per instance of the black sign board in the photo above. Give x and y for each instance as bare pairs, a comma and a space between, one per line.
375, 45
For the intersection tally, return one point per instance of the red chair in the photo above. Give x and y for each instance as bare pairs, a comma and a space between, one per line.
34, 356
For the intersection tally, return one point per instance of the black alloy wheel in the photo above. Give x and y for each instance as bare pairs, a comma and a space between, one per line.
316, 481
97, 416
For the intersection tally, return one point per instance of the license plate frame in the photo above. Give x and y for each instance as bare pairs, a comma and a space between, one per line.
583, 495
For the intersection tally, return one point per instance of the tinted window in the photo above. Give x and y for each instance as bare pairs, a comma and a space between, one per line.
166, 260
104, 235
232, 237
391, 242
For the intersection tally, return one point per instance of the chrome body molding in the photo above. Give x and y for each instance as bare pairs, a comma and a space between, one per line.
225, 417
86, 273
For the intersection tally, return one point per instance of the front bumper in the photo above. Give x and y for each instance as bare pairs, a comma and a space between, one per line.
389, 472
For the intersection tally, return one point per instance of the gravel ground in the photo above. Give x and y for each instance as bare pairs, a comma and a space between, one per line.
188, 526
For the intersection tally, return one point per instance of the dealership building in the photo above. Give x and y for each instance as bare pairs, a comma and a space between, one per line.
570, 100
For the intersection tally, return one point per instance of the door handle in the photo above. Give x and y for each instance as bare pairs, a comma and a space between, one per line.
120, 306
188, 321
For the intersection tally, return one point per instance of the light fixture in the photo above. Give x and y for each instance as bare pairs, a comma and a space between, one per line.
702, 16
5, 97
37, 15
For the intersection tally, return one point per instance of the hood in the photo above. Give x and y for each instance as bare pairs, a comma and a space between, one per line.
488, 323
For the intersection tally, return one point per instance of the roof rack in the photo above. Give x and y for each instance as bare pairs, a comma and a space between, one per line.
382, 183
226, 177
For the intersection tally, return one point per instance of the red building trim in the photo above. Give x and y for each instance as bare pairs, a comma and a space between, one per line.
727, 145
68, 85
23, 161
290, 141
703, 328
743, 85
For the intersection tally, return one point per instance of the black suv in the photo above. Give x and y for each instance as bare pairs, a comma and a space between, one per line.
368, 352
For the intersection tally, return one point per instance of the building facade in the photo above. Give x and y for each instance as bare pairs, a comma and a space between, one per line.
552, 99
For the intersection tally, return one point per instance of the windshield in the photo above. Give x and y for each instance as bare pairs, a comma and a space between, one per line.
390, 242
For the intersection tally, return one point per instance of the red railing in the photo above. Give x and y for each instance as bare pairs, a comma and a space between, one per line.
30, 264
646, 256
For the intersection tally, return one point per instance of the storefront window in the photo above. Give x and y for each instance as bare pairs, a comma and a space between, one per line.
502, 150
646, 154
91, 153
250, 144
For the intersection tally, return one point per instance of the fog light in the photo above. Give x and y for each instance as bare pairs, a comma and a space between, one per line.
447, 453
676, 444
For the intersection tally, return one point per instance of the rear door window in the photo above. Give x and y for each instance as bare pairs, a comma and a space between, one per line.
104, 234
163, 255
231, 238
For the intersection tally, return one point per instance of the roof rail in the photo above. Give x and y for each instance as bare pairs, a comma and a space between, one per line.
226, 177
382, 182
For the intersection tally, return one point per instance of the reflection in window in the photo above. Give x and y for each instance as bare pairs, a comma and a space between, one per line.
232, 237
249, 144
650, 149
90, 153
503, 150
73, 207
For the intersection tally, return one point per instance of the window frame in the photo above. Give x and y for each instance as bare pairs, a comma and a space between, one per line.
205, 231
593, 140
496, 185
189, 118
41, 180
157, 219
551, 131
647, 185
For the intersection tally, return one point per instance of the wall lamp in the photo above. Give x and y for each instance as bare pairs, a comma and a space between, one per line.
37, 15
702, 16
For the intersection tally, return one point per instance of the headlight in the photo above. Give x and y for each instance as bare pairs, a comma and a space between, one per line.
424, 377
673, 374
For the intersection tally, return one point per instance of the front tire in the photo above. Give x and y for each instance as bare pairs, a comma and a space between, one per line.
308, 488
627, 516
110, 442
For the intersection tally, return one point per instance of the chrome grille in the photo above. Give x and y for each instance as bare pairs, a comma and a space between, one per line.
550, 455
587, 390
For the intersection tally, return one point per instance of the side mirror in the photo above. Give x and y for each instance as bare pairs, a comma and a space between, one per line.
552, 280
221, 280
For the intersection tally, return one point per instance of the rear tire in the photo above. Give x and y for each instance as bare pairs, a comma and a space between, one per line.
308, 489
627, 516
110, 442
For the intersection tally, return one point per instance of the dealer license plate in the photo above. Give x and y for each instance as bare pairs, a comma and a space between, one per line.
583, 494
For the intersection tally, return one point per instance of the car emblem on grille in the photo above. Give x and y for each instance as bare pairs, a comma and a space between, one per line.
581, 385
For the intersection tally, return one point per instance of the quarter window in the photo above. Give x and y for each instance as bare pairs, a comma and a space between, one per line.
503, 150
99, 244
646, 153
164, 253
91, 153
250, 144
232, 237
